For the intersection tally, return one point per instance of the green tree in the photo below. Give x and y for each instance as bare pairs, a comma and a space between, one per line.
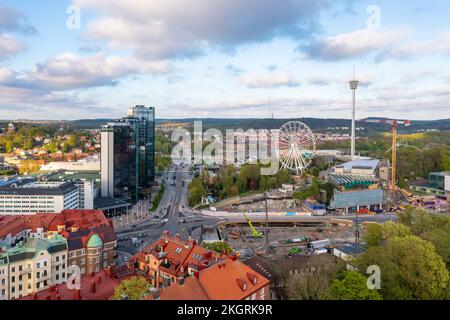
220, 247
134, 288
410, 269
351, 286
196, 192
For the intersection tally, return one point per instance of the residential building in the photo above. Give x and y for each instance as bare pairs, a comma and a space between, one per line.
28, 197
32, 266
228, 279
128, 155
91, 241
170, 258
95, 287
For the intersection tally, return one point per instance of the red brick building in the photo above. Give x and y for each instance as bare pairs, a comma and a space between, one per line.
229, 279
170, 259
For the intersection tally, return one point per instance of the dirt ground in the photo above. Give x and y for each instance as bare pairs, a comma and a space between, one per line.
247, 246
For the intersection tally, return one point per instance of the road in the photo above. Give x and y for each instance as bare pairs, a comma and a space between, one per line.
172, 210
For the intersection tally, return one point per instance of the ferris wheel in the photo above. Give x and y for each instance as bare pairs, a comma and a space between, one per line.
297, 145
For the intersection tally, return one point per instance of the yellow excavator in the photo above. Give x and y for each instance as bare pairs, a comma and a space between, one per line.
256, 233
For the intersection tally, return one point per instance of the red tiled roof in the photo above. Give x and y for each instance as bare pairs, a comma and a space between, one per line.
227, 280
100, 286
81, 219
179, 254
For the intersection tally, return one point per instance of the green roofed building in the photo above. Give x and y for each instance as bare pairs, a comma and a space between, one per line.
32, 266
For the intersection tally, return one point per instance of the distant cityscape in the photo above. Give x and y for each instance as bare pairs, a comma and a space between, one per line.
255, 153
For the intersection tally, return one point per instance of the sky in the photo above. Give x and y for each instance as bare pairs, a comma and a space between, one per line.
80, 59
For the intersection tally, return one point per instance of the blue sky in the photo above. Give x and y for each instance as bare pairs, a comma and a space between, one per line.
225, 58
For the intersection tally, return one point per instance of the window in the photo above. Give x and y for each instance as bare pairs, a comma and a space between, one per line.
13, 279
13, 269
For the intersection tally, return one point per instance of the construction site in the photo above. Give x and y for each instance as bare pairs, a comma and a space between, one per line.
285, 237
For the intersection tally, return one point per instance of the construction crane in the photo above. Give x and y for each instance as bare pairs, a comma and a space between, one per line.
256, 233
394, 124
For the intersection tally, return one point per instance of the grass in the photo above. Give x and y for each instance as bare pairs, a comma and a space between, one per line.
158, 198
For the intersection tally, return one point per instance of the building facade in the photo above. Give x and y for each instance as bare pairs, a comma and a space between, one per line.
32, 266
38, 197
170, 258
128, 154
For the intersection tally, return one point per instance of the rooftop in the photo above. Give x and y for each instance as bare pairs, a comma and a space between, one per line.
360, 163
37, 188
98, 286
351, 249
227, 280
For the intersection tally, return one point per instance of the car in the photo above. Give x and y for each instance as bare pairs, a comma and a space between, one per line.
165, 220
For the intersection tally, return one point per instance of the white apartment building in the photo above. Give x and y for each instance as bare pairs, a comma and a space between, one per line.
31, 267
22, 198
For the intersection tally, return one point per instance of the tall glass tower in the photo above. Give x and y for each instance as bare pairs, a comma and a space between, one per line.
128, 154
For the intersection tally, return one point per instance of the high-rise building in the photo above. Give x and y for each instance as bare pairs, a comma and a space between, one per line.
128, 154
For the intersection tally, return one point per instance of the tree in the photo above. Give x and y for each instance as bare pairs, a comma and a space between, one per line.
134, 288
410, 269
351, 286
220, 247
196, 192
312, 285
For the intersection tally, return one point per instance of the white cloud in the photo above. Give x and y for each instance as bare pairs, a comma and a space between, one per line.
9, 47
69, 71
354, 44
169, 28
269, 80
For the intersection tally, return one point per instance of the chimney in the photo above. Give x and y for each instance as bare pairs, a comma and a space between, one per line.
181, 281
93, 286
233, 256
197, 275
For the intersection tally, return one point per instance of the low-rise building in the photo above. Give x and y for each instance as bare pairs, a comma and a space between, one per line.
170, 258
228, 279
359, 167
